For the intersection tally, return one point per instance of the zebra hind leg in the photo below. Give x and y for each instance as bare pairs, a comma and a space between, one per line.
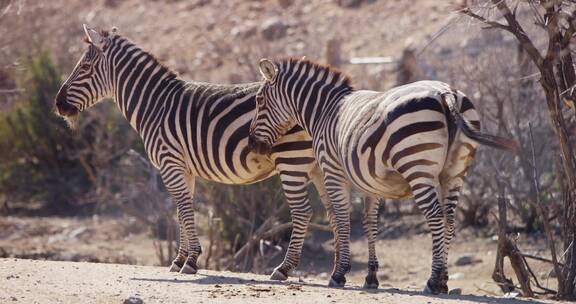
427, 198
370, 225
450, 202
180, 259
295, 190
180, 185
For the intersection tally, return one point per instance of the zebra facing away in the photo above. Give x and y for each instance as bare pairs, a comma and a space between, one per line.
192, 129
416, 140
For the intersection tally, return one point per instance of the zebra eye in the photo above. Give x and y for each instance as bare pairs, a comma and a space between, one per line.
85, 66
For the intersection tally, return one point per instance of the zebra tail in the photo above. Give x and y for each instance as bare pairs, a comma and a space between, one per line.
477, 135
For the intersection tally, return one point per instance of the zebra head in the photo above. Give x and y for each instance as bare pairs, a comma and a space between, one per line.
272, 118
89, 82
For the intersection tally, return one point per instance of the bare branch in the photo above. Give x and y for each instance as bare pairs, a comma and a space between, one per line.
490, 24
542, 211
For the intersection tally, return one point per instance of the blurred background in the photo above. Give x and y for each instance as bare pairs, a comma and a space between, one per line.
88, 193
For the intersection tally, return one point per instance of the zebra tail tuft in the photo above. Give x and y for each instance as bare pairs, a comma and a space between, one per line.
470, 131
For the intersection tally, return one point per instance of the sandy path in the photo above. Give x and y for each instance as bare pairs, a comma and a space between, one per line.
29, 281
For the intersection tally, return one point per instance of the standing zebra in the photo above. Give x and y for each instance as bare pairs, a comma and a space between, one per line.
189, 129
402, 143
193, 129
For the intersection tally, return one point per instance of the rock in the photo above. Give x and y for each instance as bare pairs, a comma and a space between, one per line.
349, 3
245, 30
285, 3
74, 234
133, 300
456, 276
273, 28
467, 260
511, 295
552, 274
455, 291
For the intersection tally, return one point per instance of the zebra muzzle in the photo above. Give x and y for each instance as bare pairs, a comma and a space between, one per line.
63, 106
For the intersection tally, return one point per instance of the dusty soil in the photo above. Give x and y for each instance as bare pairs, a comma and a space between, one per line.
403, 250
31, 281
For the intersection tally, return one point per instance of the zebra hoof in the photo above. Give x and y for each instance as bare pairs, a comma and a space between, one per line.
427, 290
435, 289
187, 269
370, 285
174, 267
337, 283
277, 275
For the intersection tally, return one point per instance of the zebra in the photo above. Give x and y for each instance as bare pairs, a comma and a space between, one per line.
193, 129
416, 140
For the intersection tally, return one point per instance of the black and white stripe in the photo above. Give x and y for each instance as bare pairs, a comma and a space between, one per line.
191, 129
405, 142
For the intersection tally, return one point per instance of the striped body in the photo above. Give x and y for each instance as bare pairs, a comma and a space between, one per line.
386, 140
414, 141
192, 129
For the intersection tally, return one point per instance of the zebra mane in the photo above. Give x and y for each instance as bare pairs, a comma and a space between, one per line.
115, 38
336, 73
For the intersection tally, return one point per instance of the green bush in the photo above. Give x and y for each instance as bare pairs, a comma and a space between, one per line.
37, 161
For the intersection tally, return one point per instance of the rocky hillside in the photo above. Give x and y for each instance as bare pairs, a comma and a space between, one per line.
221, 40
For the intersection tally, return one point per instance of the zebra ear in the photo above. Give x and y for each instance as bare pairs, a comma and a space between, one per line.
268, 69
92, 36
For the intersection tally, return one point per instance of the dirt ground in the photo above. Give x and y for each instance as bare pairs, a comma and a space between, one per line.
404, 256
30, 281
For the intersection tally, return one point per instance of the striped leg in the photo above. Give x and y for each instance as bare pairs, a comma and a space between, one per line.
427, 198
294, 185
370, 225
180, 185
339, 193
182, 247
450, 202
317, 179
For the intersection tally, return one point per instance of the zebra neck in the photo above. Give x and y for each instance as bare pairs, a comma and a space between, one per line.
142, 85
316, 111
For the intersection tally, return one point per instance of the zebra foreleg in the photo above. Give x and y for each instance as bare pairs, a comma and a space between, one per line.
370, 225
339, 192
427, 199
316, 178
295, 189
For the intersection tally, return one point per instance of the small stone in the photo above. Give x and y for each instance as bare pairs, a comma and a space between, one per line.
273, 29
245, 30
455, 291
285, 3
511, 295
349, 3
456, 276
133, 300
467, 260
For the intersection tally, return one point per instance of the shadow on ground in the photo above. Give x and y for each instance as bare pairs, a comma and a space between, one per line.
232, 280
